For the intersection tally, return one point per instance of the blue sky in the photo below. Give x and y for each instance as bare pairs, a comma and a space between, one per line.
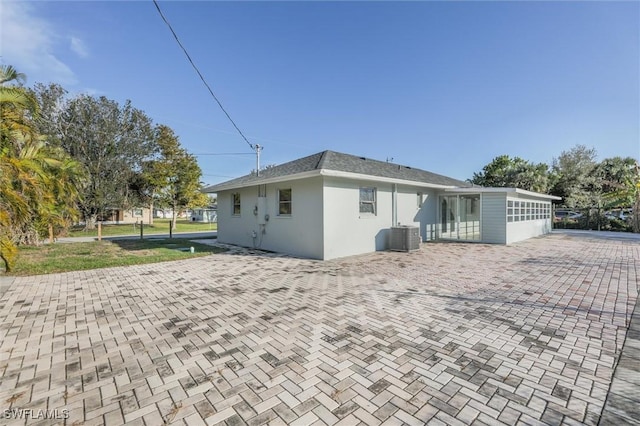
441, 86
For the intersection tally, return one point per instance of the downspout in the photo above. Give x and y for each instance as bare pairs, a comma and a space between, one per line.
394, 205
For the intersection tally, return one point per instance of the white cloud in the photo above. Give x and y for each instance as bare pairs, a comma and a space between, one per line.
28, 43
79, 47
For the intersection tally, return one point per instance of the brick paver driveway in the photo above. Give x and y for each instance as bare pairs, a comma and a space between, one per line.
452, 334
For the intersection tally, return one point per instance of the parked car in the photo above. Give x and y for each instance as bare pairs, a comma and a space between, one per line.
621, 214
567, 215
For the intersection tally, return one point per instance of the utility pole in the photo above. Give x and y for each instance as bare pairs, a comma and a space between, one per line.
258, 148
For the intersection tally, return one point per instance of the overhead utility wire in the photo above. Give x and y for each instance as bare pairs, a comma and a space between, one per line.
200, 75
225, 153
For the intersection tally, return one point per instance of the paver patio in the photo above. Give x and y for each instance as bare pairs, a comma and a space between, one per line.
451, 334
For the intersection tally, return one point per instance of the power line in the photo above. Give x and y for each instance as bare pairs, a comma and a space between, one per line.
200, 74
224, 153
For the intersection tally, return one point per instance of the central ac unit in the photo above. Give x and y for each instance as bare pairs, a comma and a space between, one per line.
404, 238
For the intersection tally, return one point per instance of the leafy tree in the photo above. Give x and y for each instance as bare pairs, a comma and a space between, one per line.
574, 178
200, 199
506, 172
174, 176
613, 173
111, 141
53, 101
628, 194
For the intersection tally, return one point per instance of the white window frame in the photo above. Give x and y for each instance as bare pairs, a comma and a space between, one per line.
281, 203
372, 203
234, 204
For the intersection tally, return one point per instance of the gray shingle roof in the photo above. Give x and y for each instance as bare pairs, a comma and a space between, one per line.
331, 160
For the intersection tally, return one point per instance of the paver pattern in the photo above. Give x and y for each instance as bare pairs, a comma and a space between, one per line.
623, 401
452, 334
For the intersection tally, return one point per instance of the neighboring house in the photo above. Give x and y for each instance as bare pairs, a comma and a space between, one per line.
330, 205
134, 215
204, 215
168, 213
162, 213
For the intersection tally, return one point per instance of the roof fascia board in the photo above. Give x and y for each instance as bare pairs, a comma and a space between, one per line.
303, 175
359, 176
537, 194
506, 190
331, 173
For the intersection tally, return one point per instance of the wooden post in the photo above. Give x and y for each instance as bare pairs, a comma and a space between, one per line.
50, 234
99, 231
141, 229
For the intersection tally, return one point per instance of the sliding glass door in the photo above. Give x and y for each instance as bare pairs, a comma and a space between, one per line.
460, 217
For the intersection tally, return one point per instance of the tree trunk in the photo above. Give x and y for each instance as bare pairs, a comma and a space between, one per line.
151, 213
174, 218
90, 222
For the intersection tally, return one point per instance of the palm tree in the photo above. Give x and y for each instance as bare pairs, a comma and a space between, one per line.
8, 73
37, 182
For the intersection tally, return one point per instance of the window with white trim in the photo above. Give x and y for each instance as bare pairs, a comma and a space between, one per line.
284, 202
368, 200
235, 203
521, 211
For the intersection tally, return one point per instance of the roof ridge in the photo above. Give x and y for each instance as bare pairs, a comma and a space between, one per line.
321, 159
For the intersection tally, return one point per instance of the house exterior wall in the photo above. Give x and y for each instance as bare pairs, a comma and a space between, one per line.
423, 216
326, 222
494, 217
529, 228
348, 232
134, 215
300, 234
525, 230
497, 229
428, 215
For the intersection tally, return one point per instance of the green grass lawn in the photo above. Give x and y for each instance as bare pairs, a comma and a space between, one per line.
160, 226
65, 257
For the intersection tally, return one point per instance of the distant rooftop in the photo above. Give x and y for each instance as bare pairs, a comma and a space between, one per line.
339, 162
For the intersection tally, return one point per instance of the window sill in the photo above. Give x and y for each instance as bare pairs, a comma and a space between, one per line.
368, 216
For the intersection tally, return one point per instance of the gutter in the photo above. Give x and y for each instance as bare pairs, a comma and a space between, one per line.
328, 173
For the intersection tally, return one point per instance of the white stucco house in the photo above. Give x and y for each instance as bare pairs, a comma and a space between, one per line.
209, 215
330, 205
